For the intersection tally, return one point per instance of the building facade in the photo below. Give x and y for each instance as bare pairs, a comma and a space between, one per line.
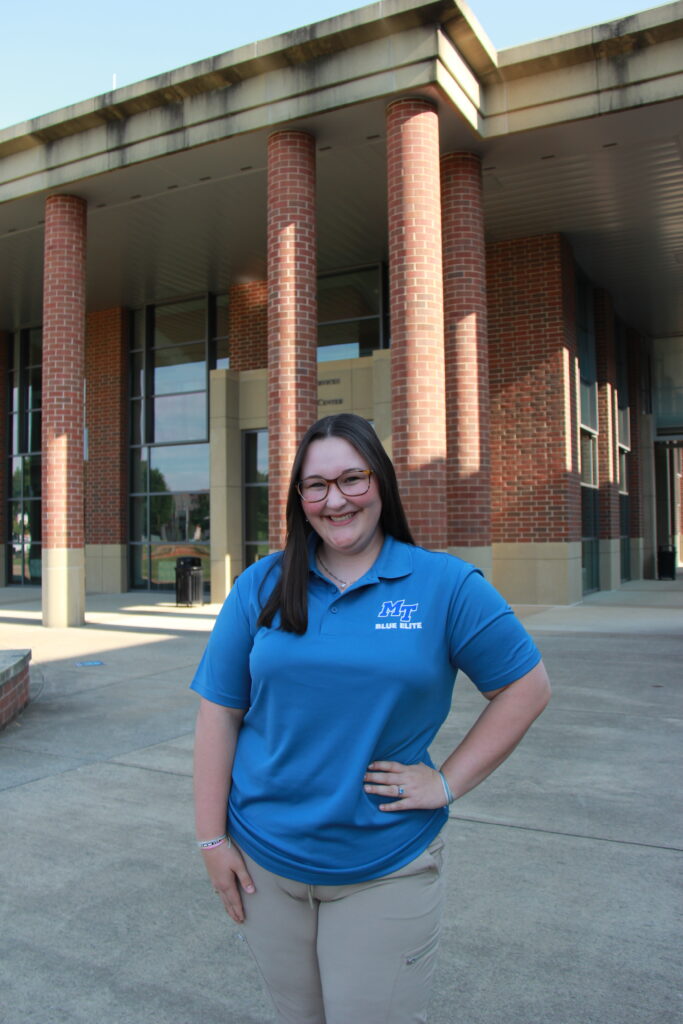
480, 252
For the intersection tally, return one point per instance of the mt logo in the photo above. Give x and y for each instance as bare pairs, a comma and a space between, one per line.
400, 612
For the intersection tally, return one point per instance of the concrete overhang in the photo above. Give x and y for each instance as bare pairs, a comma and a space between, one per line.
580, 134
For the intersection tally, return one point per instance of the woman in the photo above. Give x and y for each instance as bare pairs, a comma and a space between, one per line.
328, 673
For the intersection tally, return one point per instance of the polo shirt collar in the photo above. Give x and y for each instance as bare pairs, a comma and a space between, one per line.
394, 560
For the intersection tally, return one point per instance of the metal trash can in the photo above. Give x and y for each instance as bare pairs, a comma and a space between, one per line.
666, 562
189, 581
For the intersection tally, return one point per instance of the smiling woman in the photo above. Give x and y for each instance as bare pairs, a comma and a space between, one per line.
333, 663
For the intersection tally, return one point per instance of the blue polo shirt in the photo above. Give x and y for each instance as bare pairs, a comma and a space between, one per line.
371, 679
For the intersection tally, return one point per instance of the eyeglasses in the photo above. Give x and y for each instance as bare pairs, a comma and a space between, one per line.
352, 483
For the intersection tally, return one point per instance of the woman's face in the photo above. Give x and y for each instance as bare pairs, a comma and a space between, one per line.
345, 525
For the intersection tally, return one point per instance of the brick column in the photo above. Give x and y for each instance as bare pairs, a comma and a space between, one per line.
416, 291
467, 364
292, 311
63, 365
608, 472
535, 487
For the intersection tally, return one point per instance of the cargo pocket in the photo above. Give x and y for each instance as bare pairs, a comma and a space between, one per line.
413, 986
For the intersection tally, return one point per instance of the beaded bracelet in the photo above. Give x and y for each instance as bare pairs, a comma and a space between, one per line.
211, 844
448, 792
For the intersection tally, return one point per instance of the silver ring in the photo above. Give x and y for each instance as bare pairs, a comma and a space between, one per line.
401, 790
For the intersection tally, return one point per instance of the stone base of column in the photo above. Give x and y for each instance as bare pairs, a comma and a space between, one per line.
481, 556
106, 568
536, 573
610, 563
63, 587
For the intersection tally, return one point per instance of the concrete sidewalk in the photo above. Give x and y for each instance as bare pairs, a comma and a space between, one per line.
564, 870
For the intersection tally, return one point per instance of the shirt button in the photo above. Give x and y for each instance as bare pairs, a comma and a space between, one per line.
334, 610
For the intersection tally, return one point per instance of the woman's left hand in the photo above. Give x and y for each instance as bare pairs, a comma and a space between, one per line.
410, 786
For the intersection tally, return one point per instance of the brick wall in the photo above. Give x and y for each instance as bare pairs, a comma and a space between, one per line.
606, 363
248, 325
466, 351
63, 366
14, 685
106, 476
292, 311
532, 353
416, 306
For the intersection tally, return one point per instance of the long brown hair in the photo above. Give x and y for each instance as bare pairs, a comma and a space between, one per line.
290, 594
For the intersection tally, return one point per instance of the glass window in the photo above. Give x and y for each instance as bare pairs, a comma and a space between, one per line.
137, 368
33, 527
177, 517
17, 524
252, 553
139, 566
623, 471
32, 476
180, 368
35, 347
585, 336
221, 324
180, 417
255, 495
169, 515
137, 329
34, 435
34, 379
180, 322
623, 398
179, 468
138, 525
589, 459
24, 468
256, 456
590, 543
349, 295
139, 466
222, 354
161, 563
348, 340
16, 479
256, 499
14, 445
350, 314
137, 426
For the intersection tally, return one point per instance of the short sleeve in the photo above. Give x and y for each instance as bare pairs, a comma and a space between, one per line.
487, 640
223, 673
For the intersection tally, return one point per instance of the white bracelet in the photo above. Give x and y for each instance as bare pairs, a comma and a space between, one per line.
448, 792
209, 844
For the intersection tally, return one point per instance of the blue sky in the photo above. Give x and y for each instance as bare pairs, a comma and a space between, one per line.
58, 54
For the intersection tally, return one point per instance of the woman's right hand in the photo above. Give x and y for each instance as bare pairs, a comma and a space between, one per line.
226, 868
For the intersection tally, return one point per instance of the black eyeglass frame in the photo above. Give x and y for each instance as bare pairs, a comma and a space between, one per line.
361, 472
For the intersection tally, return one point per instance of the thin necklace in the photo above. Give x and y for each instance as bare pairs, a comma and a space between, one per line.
342, 583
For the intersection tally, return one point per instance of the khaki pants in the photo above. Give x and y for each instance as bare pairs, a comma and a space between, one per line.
348, 954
